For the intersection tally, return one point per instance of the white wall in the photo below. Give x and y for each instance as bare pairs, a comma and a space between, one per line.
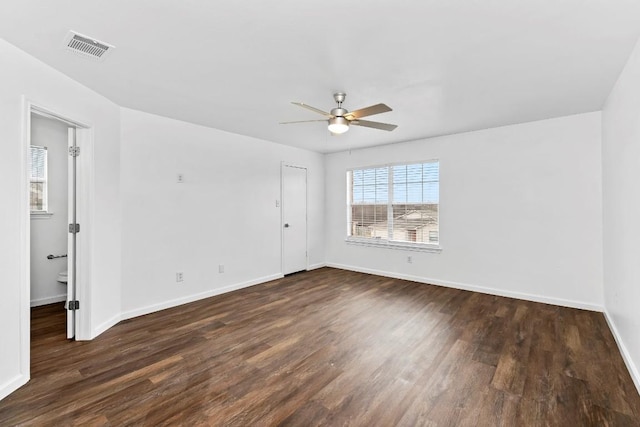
49, 233
21, 74
520, 212
224, 213
621, 178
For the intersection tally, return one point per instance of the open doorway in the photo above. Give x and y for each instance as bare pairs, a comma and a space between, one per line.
57, 193
49, 211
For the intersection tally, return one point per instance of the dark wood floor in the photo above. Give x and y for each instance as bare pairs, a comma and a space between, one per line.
331, 347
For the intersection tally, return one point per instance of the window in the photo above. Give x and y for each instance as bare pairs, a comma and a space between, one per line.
38, 178
395, 205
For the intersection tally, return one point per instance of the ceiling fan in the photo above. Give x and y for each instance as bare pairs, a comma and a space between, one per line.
340, 119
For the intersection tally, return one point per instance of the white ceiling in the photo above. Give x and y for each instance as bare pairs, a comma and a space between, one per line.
444, 66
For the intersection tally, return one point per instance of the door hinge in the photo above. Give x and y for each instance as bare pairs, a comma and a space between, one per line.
73, 305
74, 228
74, 151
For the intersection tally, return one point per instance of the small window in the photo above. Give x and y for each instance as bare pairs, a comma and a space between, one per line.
38, 179
395, 204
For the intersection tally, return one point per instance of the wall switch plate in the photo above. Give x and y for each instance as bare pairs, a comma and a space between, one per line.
180, 178
179, 277
277, 203
221, 268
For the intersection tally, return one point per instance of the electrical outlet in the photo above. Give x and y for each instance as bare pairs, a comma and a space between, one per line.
179, 277
409, 259
180, 178
221, 268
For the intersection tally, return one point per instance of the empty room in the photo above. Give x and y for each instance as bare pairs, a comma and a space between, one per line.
320, 213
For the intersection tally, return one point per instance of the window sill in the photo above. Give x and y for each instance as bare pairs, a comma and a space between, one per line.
41, 215
424, 247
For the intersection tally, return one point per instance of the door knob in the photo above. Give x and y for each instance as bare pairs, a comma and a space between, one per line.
286, 225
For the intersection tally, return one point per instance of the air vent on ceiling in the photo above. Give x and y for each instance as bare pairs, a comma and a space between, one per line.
87, 47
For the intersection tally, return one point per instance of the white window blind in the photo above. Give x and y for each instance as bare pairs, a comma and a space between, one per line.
395, 203
38, 178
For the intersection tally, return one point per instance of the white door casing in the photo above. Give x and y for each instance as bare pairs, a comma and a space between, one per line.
84, 134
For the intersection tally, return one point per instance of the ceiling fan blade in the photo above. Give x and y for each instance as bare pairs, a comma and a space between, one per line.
303, 121
375, 125
368, 111
309, 107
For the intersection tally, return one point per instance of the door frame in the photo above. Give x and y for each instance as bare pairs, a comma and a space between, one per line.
283, 165
84, 214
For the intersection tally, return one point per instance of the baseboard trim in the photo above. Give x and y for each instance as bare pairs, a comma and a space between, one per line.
48, 300
467, 287
12, 385
316, 266
195, 297
626, 356
104, 326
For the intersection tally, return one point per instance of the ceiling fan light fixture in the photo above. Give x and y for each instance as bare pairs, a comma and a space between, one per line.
338, 125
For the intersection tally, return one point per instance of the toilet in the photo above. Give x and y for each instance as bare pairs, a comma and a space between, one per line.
62, 277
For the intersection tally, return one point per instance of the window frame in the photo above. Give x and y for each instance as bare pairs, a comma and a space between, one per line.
44, 212
385, 243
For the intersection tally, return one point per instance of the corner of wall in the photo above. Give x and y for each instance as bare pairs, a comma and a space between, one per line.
626, 355
12, 385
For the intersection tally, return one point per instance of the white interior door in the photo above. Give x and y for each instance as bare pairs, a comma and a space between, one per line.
71, 239
294, 219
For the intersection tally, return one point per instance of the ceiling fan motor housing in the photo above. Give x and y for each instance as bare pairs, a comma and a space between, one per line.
339, 112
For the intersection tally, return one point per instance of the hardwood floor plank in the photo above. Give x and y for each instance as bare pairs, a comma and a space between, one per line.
332, 347
310, 414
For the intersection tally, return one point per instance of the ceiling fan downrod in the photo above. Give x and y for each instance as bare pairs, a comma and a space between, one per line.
339, 98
